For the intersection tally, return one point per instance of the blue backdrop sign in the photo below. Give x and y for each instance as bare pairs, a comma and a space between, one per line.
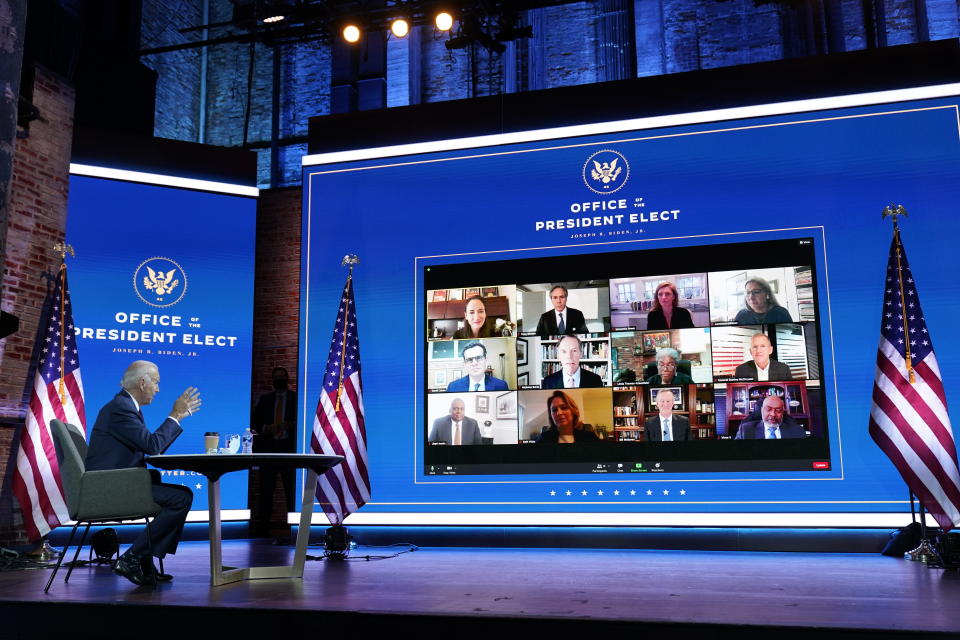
166, 274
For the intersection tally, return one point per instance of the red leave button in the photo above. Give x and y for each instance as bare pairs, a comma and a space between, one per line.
823, 464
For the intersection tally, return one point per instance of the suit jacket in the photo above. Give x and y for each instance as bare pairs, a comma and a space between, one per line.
778, 370
573, 324
552, 436
491, 384
120, 438
263, 415
588, 380
442, 431
753, 430
681, 319
678, 378
680, 426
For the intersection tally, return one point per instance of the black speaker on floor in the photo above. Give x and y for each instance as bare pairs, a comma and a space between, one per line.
337, 542
950, 550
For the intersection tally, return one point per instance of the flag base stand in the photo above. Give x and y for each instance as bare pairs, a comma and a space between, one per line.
925, 553
44, 553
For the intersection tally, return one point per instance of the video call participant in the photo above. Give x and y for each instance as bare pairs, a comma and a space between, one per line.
666, 427
571, 374
475, 360
562, 320
762, 367
455, 428
565, 423
667, 373
773, 425
761, 305
120, 440
476, 324
667, 312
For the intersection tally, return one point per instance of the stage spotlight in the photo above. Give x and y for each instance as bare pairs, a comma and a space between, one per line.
444, 21
273, 11
400, 27
351, 33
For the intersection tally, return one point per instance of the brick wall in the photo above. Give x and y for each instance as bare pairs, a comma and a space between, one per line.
276, 300
37, 219
276, 303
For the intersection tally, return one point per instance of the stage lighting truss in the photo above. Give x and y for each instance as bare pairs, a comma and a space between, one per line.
485, 23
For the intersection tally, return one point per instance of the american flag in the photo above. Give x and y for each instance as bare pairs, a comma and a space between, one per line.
909, 419
57, 393
338, 427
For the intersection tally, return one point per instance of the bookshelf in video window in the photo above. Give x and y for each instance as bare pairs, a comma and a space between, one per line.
594, 355
745, 398
632, 408
804, 280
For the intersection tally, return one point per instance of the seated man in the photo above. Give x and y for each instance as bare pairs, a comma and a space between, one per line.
571, 375
120, 439
475, 361
561, 320
455, 428
762, 367
773, 425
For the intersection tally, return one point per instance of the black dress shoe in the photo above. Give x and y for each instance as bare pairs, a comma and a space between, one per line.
149, 569
128, 566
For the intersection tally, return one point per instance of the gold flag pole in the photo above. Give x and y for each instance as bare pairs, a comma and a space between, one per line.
349, 260
925, 552
63, 249
892, 211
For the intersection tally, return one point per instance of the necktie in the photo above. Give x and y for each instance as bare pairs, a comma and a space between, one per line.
456, 433
667, 436
560, 326
771, 433
476, 386
570, 384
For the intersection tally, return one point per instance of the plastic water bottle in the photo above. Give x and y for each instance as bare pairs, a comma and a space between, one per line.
246, 442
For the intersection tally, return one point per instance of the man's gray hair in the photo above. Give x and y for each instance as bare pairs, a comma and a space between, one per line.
137, 370
668, 351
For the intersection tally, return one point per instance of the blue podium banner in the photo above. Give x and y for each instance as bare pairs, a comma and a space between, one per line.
165, 274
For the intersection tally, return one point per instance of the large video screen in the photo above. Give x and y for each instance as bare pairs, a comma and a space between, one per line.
646, 373
669, 315
164, 272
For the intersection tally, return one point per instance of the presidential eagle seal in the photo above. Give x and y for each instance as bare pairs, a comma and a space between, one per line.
606, 171
160, 282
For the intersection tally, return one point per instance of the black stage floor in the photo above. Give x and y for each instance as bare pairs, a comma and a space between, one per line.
443, 590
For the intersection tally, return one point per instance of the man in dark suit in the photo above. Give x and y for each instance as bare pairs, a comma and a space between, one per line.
570, 375
666, 427
475, 361
762, 367
773, 425
561, 320
455, 428
120, 439
275, 431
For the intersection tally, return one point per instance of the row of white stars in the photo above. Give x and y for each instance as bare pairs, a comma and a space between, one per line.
615, 492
